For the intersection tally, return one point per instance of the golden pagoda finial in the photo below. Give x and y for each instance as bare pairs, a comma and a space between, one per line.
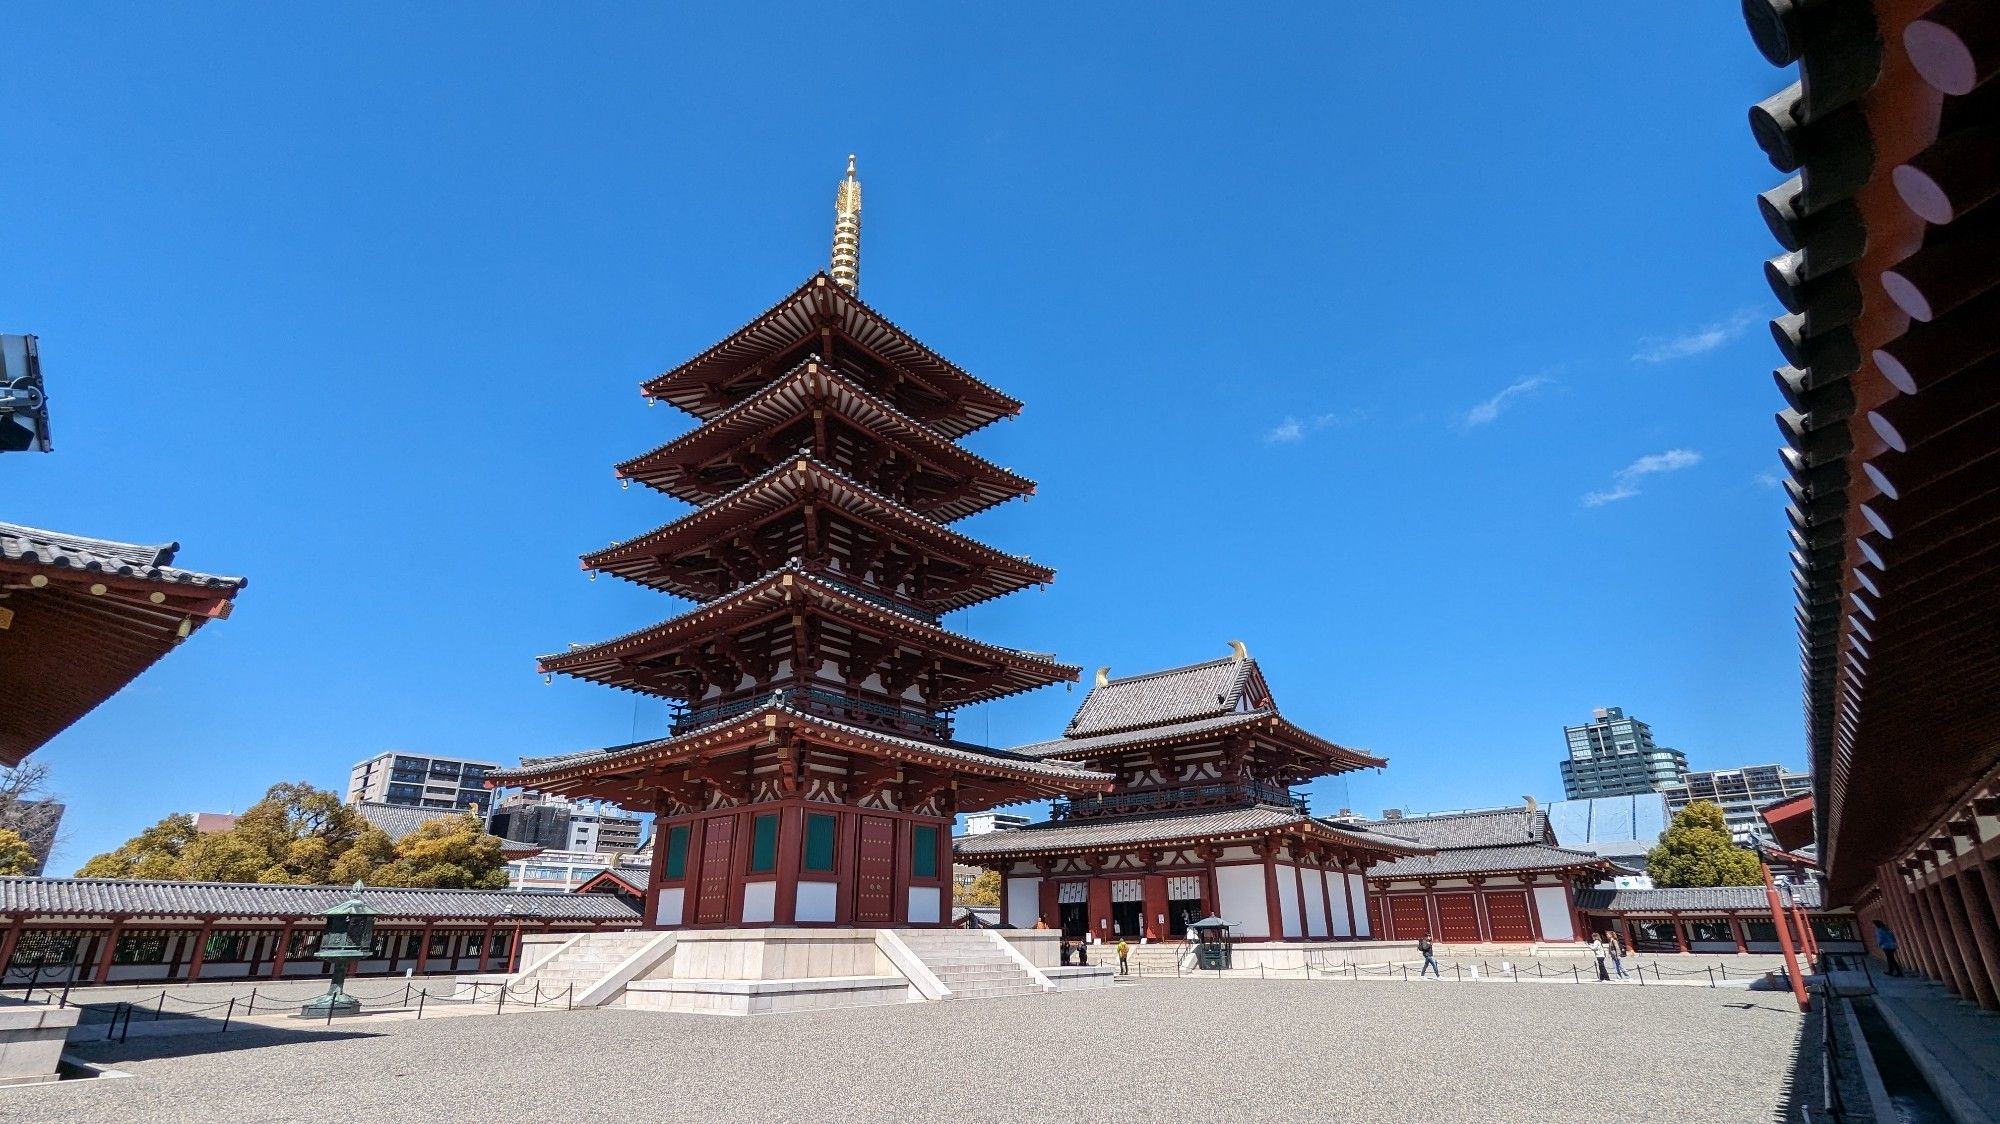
847, 232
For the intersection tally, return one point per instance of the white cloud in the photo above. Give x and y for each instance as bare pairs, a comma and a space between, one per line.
1770, 479
1293, 430
1665, 349
1488, 410
1625, 482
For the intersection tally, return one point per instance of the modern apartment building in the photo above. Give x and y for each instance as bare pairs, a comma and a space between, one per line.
419, 781
979, 823
1740, 793
556, 870
1614, 755
559, 824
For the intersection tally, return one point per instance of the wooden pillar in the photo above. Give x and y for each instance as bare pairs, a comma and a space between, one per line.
1155, 896
1955, 979
514, 953
200, 949
847, 852
1736, 931
9, 941
1299, 884
424, 947
1274, 917
1680, 933
1989, 880
1980, 922
1354, 920
1912, 935
284, 947
1326, 898
1431, 925
1097, 903
1050, 900
1482, 926
791, 851
649, 905
103, 972
1971, 955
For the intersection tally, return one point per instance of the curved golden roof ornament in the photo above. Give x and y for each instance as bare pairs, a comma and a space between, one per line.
1103, 675
1241, 653
846, 268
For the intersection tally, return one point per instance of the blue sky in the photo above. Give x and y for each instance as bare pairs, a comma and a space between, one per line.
1426, 357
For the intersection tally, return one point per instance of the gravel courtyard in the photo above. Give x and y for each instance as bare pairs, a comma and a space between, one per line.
1150, 1051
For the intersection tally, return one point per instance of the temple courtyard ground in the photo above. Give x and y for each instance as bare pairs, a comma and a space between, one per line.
1155, 1050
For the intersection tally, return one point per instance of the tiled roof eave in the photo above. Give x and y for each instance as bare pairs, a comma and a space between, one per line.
809, 465
35, 547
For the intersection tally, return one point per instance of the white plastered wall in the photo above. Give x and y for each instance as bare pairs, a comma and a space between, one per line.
1315, 902
1242, 891
1552, 910
1024, 902
1336, 882
1288, 900
1360, 887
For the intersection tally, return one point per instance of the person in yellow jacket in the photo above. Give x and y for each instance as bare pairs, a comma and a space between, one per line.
1124, 950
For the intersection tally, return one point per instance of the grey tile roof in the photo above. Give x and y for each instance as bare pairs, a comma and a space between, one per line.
636, 877
1179, 694
101, 896
104, 556
958, 751
1066, 746
1486, 860
398, 820
1468, 829
1693, 898
1161, 828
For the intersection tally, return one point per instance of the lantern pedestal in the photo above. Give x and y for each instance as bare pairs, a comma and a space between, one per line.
335, 1002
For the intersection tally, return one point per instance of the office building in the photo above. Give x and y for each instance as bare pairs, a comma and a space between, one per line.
559, 824
1614, 755
1740, 793
421, 781
979, 823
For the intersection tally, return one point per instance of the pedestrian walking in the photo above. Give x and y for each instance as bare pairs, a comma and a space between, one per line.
1065, 951
1597, 950
1886, 941
1430, 962
1124, 950
1083, 951
1615, 947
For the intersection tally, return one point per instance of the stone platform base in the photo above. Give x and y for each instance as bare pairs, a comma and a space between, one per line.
1082, 978
761, 997
32, 1037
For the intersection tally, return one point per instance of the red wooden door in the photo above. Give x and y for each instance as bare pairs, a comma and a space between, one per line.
1458, 919
1508, 911
712, 904
1407, 920
875, 872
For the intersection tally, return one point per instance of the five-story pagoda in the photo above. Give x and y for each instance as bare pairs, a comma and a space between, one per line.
810, 776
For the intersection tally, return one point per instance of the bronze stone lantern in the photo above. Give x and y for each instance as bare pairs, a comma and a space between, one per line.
349, 936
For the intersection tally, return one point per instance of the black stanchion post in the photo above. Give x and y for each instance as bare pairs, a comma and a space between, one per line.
1725, 973
1711, 977
502, 1002
253, 1000
161, 1009
421, 996
1575, 976
1457, 974
329, 1014
227, 1015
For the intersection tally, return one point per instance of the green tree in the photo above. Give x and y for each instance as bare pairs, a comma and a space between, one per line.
1696, 851
16, 857
983, 890
450, 852
359, 863
156, 852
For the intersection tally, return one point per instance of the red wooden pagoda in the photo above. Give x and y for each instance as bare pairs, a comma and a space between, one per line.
811, 776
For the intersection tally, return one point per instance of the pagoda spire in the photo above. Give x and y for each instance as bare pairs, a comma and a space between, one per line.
847, 232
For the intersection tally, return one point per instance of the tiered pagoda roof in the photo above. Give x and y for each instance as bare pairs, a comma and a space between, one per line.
825, 470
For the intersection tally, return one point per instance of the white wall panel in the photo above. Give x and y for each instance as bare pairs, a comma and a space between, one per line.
669, 912
1242, 891
1336, 890
816, 901
924, 905
1552, 908
1360, 887
760, 901
1315, 903
1288, 901
1024, 902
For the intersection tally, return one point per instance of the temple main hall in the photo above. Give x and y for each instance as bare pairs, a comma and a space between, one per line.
811, 775
1203, 820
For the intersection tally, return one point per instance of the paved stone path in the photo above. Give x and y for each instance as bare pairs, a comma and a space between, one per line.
1145, 1051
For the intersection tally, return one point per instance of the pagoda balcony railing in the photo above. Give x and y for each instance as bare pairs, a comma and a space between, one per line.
1189, 798
889, 603
837, 705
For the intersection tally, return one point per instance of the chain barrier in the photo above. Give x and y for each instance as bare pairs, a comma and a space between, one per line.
1323, 967
117, 1017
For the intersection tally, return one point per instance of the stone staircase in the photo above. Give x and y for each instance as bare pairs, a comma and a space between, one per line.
973, 963
584, 963
1156, 959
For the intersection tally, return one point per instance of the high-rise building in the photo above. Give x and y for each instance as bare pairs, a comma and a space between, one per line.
1614, 755
561, 824
1740, 793
979, 823
421, 781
